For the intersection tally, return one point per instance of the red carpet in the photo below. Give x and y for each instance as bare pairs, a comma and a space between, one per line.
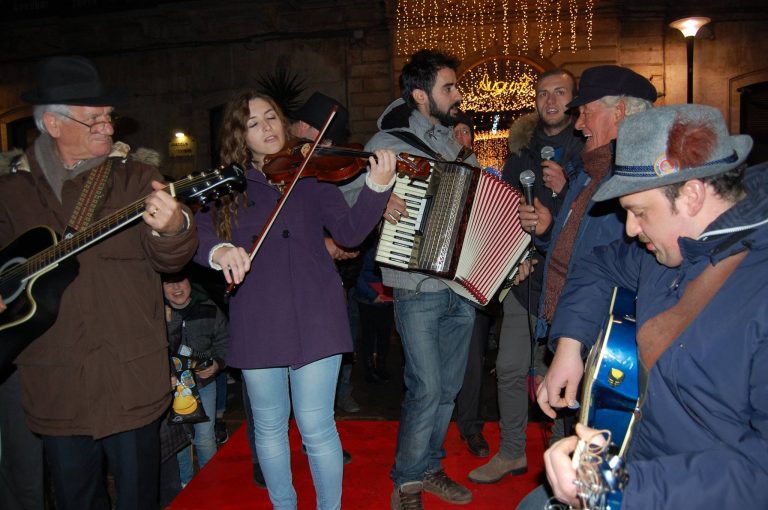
226, 481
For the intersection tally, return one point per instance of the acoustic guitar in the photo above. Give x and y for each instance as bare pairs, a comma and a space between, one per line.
36, 268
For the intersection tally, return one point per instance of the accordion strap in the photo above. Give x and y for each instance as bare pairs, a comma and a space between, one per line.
417, 142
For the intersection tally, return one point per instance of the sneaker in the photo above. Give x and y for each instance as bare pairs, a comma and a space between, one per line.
407, 497
497, 468
446, 489
347, 404
220, 430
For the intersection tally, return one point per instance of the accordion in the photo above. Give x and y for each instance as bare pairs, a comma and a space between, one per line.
463, 226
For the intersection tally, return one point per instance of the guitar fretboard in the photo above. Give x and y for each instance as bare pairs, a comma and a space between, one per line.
184, 189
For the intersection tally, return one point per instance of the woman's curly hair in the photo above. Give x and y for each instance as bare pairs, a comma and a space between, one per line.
234, 149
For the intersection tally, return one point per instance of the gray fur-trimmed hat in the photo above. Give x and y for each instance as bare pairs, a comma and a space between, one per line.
641, 150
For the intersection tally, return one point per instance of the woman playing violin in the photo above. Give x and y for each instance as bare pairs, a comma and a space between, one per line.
288, 318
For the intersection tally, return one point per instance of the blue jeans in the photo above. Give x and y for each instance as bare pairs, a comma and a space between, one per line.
312, 388
204, 441
435, 328
221, 393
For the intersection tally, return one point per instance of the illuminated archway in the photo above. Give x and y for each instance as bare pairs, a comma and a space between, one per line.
496, 90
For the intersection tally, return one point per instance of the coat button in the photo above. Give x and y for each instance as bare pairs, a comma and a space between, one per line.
286, 234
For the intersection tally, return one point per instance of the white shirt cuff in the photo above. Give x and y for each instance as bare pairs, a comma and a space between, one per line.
213, 264
379, 188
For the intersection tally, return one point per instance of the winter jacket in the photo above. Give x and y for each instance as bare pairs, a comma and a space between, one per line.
290, 310
526, 139
102, 368
702, 440
203, 327
602, 224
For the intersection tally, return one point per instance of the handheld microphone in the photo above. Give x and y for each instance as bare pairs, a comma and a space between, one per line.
527, 179
548, 153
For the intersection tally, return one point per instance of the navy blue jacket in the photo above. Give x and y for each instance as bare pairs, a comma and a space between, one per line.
702, 440
602, 223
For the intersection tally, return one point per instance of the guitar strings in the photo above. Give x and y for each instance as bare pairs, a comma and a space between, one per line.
589, 482
45, 257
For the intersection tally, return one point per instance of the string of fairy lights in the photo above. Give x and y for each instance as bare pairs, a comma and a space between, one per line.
500, 87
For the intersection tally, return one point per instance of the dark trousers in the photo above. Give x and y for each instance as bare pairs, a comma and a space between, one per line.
78, 471
21, 469
376, 329
468, 418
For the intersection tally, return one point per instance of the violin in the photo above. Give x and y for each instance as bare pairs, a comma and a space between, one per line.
332, 163
328, 163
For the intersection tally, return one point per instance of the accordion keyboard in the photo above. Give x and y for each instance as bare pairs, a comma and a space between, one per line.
397, 241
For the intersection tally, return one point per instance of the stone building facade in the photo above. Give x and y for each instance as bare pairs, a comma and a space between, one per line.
181, 60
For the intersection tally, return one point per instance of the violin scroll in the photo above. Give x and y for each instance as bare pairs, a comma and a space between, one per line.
414, 166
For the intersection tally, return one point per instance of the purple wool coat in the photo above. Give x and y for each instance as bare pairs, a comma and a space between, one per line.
291, 309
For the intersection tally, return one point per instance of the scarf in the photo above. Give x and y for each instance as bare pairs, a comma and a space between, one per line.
56, 174
597, 164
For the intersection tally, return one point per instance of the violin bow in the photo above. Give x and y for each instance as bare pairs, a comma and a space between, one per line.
286, 193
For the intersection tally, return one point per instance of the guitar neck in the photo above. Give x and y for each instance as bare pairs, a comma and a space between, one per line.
183, 189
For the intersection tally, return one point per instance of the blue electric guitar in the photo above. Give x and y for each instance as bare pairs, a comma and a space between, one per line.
611, 392
610, 398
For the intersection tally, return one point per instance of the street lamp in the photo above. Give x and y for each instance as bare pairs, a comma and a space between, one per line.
689, 27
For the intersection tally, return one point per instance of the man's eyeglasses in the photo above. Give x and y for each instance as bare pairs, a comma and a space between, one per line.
96, 126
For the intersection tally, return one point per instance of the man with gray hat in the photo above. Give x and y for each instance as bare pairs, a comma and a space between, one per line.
699, 274
97, 381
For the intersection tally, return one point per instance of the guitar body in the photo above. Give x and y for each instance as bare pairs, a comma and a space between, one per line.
611, 383
30, 313
35, 268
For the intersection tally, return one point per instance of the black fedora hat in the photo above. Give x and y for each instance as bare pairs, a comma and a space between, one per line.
315, 111
70, 80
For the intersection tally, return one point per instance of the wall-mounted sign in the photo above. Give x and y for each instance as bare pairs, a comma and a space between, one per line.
182, 147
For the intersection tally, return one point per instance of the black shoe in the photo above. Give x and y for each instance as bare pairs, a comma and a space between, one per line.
220, 430
372, 377
477, 445
258, 476
383, 374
